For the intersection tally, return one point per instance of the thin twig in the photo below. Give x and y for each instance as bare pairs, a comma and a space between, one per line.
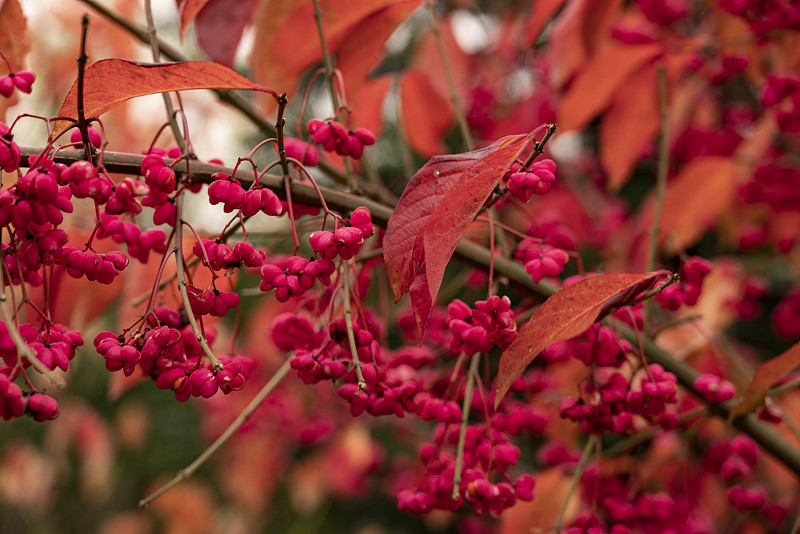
181, 277
189, 470
462, 435
348, 321
451, 84
82, 59
587, 451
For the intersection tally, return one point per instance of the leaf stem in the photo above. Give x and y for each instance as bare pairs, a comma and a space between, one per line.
462, 435
154, 47
466, 137
189, 470
82, 59
587, 451
329, 75
348, 321
181, 277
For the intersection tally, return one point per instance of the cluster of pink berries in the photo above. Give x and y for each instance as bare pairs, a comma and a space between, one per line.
783, 92
227, 190
346, 241
609, 401
490, 323
775, 185
688, 290
22, 80
541, 260
333, 136
217, 255
535, 180
170, 354
786, 316
484, 455
764, 16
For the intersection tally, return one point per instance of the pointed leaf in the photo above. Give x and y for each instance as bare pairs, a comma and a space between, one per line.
362, 50
286, 41
541, 13
767, 375
597, 84
14, 43
436, 208
567, 314
629, 126
427, 116
110, 82
188, 10
695, 198
219, 27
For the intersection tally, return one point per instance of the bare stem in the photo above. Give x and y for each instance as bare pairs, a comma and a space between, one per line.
82, 59
587, 451
462, 435
329, 74
663, 167
348, 321
466, 137
189, 470
181, 276
156, 50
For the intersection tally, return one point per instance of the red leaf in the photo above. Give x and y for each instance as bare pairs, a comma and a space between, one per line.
362, 49
629, 126
600, 81
188, 10
286, 42
427, 59
14, 43
567, 314
767, 374
577, 34
695, 198
426, 115
110, 82
368, 104
436, 208
219, 27
541, 13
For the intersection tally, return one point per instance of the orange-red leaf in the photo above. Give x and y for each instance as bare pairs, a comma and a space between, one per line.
696, 197
110, 82
368, 104
426, 115
219, 27
541, 13
567, 314
767, 375
188, 10
436, 208
597, 84
629, 125
362, 49
14, 42
286, 42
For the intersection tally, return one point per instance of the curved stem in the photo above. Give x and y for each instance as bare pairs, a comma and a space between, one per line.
348, 321
181, 277
189, 470
587, 451
462, 435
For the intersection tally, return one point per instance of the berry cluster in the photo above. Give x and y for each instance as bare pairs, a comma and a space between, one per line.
333, 136
490, 323
22, 80
169, 353
609, 401
687, 292
484, 456
783, 93
541, 260
537, 179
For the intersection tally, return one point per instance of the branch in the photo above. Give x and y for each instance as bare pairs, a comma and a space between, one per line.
473, 254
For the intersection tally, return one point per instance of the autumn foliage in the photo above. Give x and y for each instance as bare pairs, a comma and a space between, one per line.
400, 266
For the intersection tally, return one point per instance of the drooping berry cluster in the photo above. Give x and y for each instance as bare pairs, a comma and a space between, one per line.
333, 136
22, 80
688, 290
535, 180
490, 323
170, 354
